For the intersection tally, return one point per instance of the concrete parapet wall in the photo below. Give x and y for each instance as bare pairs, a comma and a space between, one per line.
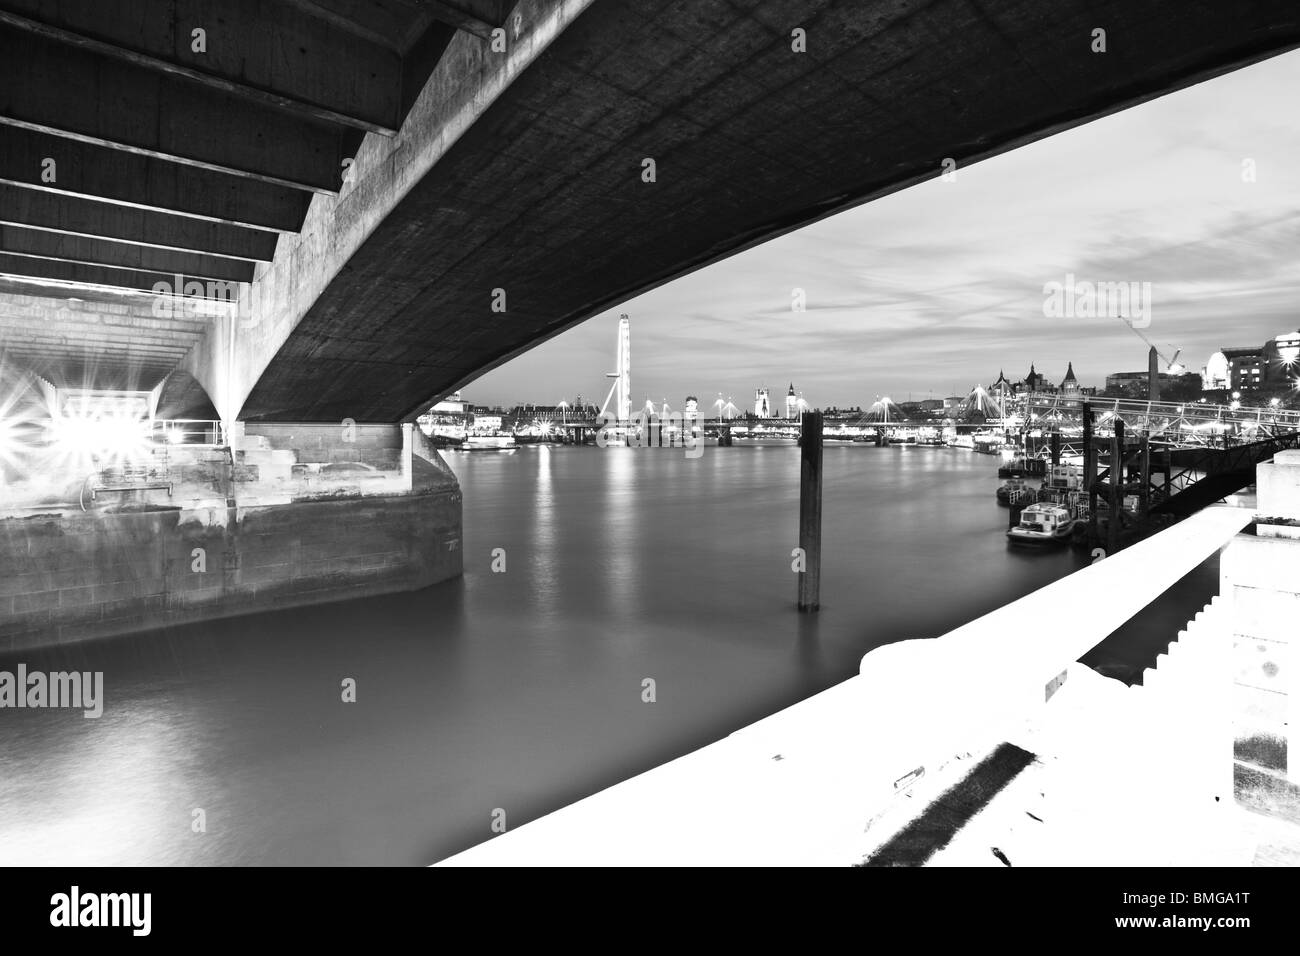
1261, 578
377, 445
1278, 484
72, 577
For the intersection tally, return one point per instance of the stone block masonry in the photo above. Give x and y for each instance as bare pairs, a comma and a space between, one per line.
76, 576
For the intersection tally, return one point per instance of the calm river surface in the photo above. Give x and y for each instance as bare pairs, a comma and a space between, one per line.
519, 690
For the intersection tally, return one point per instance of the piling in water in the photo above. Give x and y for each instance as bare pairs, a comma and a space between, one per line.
1144, 490
1090, 473
1116, 498
810, 510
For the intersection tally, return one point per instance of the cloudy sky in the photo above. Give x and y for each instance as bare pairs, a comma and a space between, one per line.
931, 290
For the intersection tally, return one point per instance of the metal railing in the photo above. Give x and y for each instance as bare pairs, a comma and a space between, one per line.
1191, 414
188, 431
996, 670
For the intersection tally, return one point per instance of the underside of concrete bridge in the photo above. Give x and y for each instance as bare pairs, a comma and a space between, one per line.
337, 189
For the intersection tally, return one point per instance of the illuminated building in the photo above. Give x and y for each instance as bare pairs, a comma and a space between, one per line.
1070, 384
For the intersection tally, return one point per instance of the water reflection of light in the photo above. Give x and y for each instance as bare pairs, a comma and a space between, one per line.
620, 569
547, 590
112, 795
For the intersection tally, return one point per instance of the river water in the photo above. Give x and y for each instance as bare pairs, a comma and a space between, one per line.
520, 690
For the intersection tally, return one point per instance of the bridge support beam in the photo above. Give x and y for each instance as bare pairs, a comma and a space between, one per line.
232, 359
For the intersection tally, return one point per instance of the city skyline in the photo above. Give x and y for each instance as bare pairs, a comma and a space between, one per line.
937, 288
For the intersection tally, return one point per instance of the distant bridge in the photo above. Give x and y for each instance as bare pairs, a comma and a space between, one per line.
1177, 423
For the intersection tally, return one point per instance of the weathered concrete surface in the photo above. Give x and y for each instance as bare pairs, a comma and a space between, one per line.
79, 576
468, 78
377, 308
520, 170
1261, 576
377, 445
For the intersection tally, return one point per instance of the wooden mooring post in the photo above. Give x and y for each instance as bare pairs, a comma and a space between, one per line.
810, 510
1090, 472
1116, 498
1144, 491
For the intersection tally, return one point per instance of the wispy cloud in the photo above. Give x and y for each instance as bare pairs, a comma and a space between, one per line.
941, 285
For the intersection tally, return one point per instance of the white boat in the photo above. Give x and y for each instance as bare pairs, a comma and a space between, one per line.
488, 441
1043, 523
1064, 478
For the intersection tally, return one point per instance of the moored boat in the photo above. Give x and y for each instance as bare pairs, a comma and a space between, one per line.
1016, 488
1064, 478
1042, 524
1023, 467
487, 441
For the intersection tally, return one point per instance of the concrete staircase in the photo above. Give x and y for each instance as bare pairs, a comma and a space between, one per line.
1183, 708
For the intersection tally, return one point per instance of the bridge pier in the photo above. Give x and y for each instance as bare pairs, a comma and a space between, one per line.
299, 514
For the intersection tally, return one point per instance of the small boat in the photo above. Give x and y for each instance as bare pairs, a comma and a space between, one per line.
487, 441
1043, 524
1064, 478
1022, 467
1011, 487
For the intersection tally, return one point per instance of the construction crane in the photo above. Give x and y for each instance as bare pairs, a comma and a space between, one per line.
1171, 364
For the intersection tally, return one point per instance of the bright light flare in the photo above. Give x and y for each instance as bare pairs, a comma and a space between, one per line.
19, 423
8, 442
87, 435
